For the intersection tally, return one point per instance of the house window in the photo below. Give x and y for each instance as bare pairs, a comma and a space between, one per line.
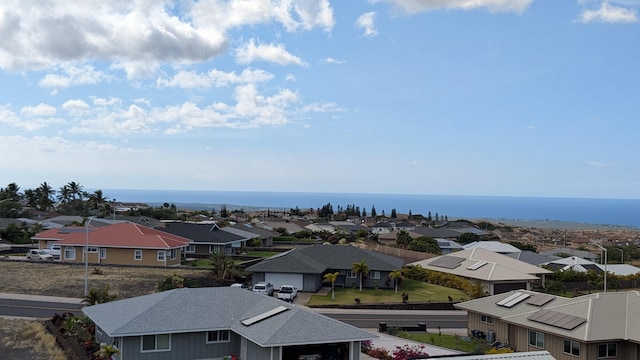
161, 342
375, 275
352, 275
607, 350
571, 347
218, 336
92, 250
536, 339
137, 255
173, 254
486, 319
191, 248
161, 255
103, 253
69, 253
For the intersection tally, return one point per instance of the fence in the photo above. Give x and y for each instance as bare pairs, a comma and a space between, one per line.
401, 253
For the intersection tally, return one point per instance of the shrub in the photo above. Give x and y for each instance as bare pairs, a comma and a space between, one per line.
407, 352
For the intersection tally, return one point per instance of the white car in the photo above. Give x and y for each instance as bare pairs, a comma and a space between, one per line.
264, 288
54, 250
39, 254
239, 285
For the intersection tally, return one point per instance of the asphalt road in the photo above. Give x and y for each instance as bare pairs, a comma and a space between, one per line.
433, 319
41, 308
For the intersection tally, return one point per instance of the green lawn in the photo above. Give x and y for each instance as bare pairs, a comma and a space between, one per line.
417, 291
447, 341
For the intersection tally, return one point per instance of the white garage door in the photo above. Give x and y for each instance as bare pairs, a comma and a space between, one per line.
278, 279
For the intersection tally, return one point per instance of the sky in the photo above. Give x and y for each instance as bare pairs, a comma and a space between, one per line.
450, 97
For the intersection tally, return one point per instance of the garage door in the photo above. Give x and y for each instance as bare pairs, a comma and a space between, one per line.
278, 279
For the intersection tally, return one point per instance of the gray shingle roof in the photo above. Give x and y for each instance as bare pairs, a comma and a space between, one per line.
315, 259
222, 308
203, 233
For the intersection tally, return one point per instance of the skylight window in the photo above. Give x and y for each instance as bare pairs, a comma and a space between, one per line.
265, 315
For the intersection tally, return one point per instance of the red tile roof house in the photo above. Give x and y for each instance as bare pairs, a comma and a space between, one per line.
121, 244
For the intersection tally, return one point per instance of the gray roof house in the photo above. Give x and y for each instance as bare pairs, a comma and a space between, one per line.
305, 267
208, 238
497, 273
266, 236
594, 326
217, 323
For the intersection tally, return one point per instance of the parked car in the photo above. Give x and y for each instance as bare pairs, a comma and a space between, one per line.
54, 250
39, 254
263, 287
239, 285
287, 293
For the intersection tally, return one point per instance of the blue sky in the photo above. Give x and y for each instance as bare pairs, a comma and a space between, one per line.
454, 97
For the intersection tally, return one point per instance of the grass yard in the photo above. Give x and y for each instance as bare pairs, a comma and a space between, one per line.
418, 292
448, 341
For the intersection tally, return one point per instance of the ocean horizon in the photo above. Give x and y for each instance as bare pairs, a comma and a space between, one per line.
620, 212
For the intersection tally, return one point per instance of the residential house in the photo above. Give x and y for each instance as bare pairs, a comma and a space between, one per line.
583, 265
218, 323
349, 226
305, 267
265, 236
385, 227
448, 246
495, 246
209, 238
496, 273
123, 244
530, 257
594, 326
564, 252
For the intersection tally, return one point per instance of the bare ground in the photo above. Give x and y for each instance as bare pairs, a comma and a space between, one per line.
64, 280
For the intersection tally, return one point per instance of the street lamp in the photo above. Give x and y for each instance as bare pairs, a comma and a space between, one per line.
86, 256
622, 255
605, 264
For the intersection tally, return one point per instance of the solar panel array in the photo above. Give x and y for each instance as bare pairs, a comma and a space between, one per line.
513, 299
263, 316
540, 299
447, 262
477, 265
557, 319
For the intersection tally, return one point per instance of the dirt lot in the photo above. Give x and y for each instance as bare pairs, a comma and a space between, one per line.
55, 279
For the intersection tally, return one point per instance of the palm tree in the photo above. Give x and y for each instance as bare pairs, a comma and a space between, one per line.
76, 190
45, 196
107, 351
331, 277
98, 296
360, 268
395, 276
223, 264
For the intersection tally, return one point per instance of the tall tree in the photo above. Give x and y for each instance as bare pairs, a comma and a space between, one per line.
361, 268
373, 212
403, 239
394, 214
223, 265
45, 196
332, 277
396, 276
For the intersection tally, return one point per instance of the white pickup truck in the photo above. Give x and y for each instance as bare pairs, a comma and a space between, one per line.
54, 250
287, 293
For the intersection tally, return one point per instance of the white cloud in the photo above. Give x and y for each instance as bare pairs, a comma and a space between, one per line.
31, 118
38, 110
214, 78
416, 6
599, 164
275, 53
140, 36
73, 75
331, 60
367, 22
608, 13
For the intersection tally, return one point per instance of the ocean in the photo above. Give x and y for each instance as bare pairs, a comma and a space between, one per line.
620, 212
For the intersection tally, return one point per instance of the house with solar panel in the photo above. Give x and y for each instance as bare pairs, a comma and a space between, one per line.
594, 326
496, 273
221, 323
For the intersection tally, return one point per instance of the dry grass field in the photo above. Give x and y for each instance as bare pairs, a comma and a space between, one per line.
27, 340
56, 279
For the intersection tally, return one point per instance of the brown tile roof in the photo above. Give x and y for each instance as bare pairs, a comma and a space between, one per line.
123, 235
